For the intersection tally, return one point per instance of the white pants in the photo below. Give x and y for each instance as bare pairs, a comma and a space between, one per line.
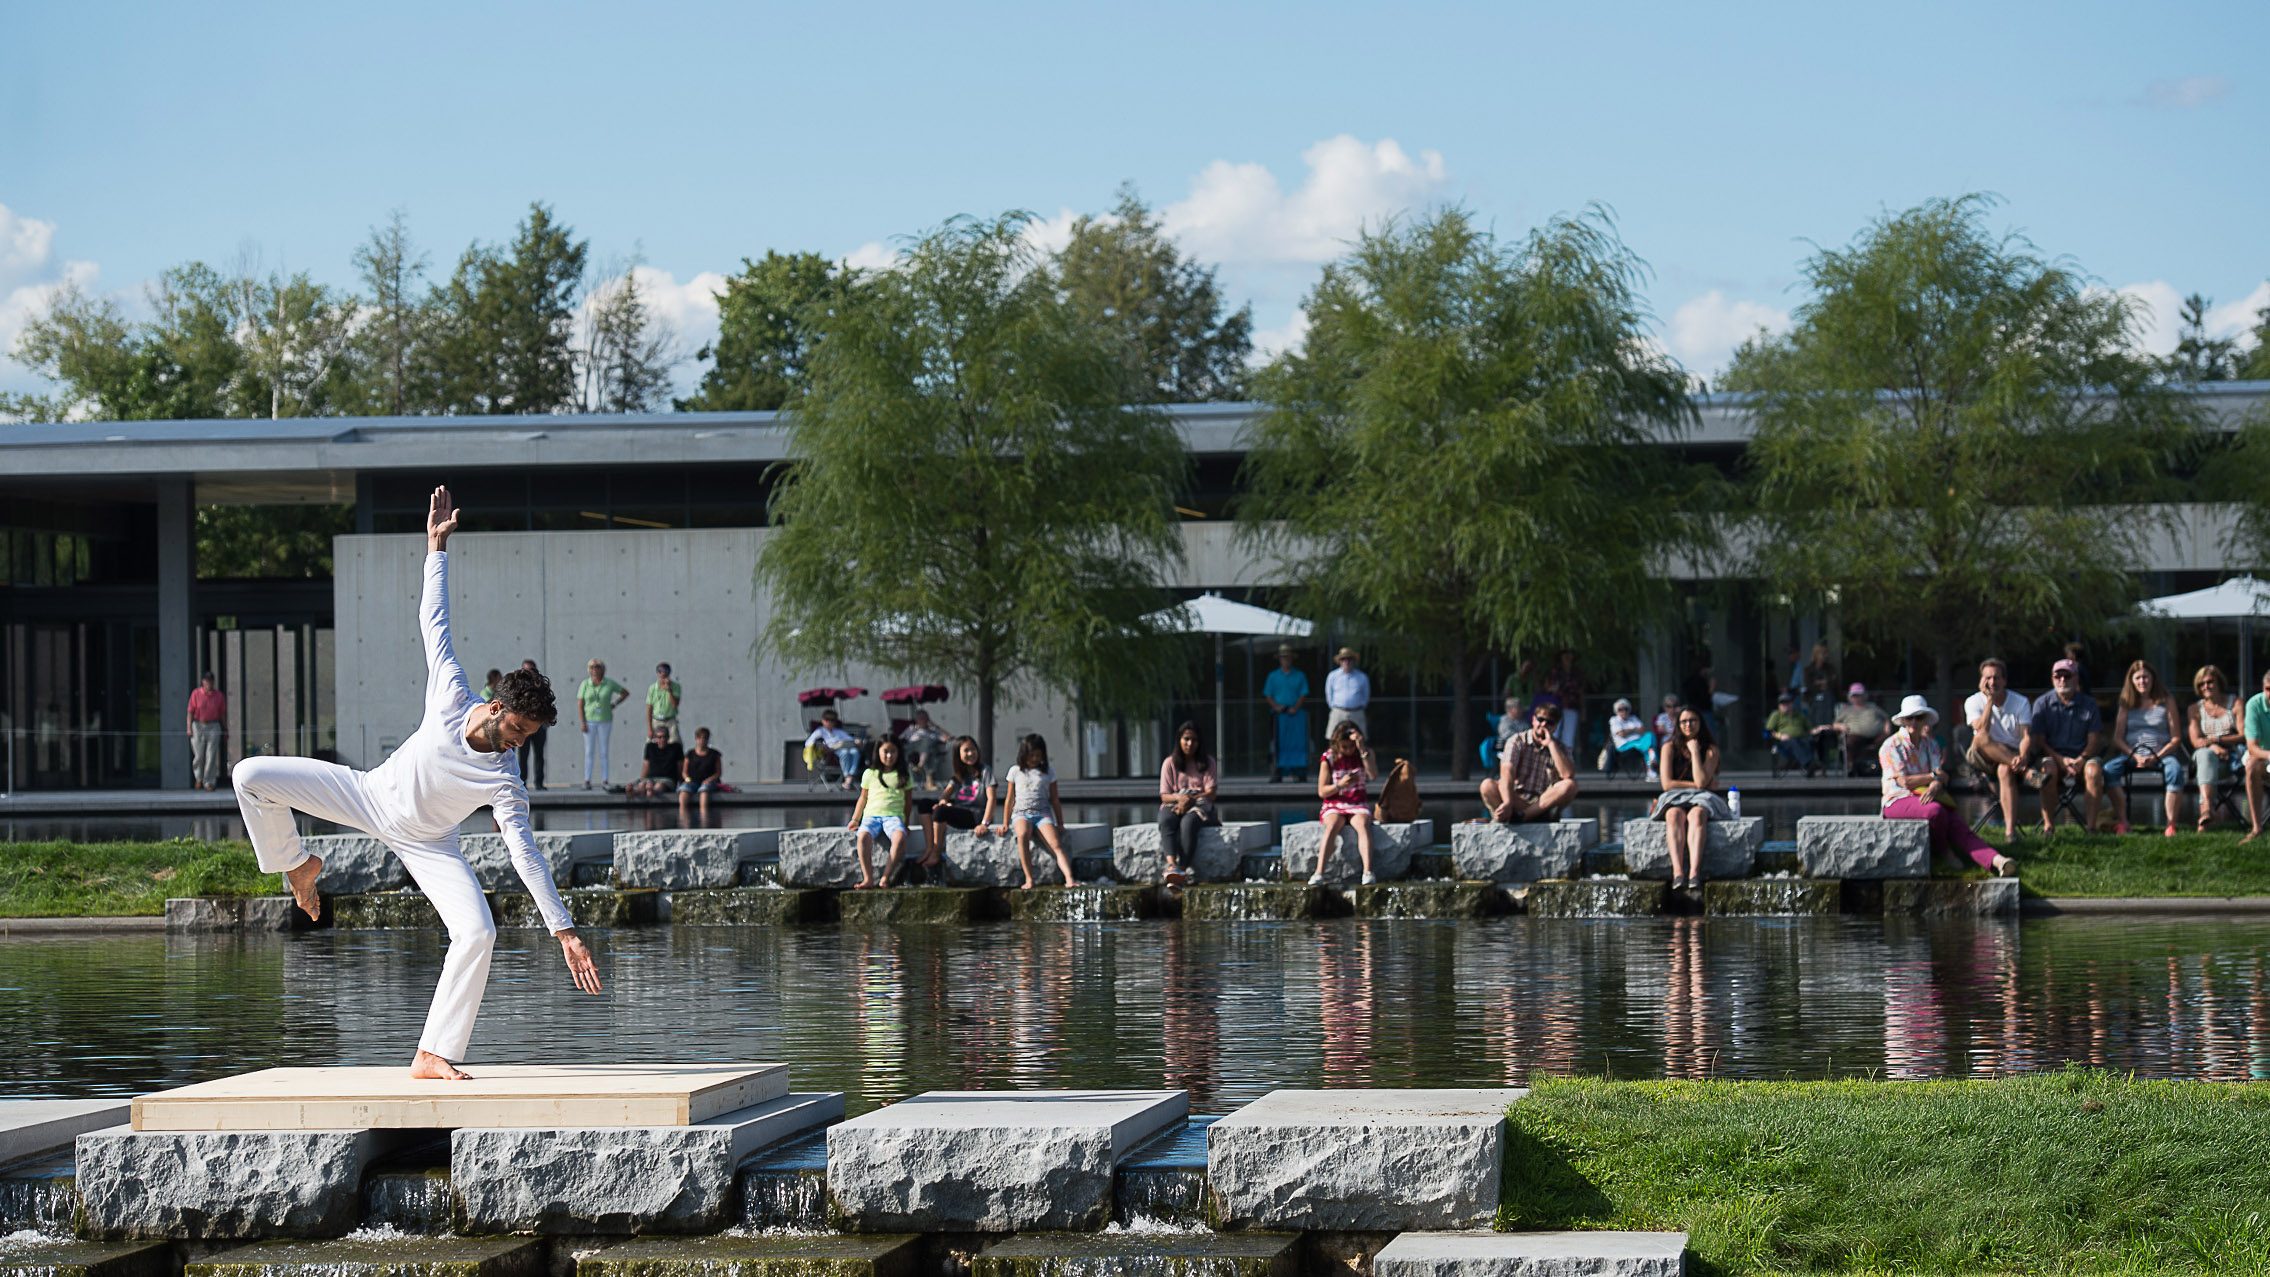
205, 753
270, 789
595, 751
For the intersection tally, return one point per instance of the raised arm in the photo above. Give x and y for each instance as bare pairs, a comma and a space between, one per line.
445, 678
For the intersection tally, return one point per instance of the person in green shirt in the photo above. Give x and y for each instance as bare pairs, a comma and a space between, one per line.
489, 685
595, 700
1792, 735
883, 787
662, 704
2257, 756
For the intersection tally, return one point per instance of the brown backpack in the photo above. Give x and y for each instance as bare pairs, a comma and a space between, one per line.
1399, 796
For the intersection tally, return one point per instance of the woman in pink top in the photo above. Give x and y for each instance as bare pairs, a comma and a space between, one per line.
1915, 788
1186, 800
1343, 779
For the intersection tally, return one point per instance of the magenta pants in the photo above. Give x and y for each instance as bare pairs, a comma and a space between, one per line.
1949, 831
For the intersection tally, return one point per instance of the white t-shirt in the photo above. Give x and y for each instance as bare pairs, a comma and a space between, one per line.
1031, 790
1625, 728
2007, 724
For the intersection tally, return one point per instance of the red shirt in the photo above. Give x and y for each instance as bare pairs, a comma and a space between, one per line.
207, 707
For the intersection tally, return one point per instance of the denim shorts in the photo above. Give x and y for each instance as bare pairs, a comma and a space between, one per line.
882, 826
2116, 770
692, 787
1036, 821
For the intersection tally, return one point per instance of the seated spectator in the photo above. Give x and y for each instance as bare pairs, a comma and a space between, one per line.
2257, 756
881, 811
1915, 788
966, 804
2145, 727
831, 736
2001, 739
1186, 801
2217, 744
1792, 735
702, 774
1536, 777
1666, 726
1343, 778
1864, 727
1629, 742
658, 774
1511, 721
1687, 804
925, 744
2066, 731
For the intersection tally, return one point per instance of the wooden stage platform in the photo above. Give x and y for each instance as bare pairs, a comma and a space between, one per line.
499, 1095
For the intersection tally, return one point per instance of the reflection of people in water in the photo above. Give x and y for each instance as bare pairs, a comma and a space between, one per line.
1344, 1004
2258, 1028
1190, 1033
1687, 1049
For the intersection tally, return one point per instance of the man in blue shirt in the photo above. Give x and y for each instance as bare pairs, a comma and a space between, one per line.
2067, 728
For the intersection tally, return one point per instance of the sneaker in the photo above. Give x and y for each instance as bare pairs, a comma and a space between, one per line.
1370, 878
2120, 826
1316, 879
2168, 832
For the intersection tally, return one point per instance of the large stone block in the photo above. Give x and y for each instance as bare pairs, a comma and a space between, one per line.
234, 914
1494, 852
1137, 855
38, 1126
619, 1179
1951, 898
975, 859
564, 849
675, 859
1863, 847
219, 1185
1482, 1253
1360, 1159
974, 1161
356, 863
1731, 850
1392, 847
829, 856
380, 1257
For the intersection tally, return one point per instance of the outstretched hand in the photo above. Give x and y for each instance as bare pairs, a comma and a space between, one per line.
579, 963
441, 519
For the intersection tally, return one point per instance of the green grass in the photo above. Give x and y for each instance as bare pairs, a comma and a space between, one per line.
2071, 863
122, 879
2073, 1172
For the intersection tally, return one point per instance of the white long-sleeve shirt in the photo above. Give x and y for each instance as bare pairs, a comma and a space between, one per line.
436, 779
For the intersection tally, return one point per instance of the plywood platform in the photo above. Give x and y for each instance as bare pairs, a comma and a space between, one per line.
500, 1095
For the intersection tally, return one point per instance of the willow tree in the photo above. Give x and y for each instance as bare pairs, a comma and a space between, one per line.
1958, 442
970, 492
1466, 456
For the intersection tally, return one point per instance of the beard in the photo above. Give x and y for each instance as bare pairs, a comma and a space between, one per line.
491, 736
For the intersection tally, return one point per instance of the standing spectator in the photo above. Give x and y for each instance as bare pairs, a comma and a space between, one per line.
2145, 727
966, 804
1629, 742
1915, 787
1343, 777
2078, 653
1818, 700
663, 767
208, 709
1286, 690
662, 704
489, 685
925, 744
1347, 693
831, 736
2257, 756
1791, 733
2067, 729
595, 700
1864, 727
703, 773
1034, 807
1536, 774
2001, 726
532, 749
1186, 801
1819, 671
1565, 684
2217, 742
1687, 805
881, 810
1796, 660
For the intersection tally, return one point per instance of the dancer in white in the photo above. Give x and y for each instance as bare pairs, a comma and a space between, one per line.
462, 758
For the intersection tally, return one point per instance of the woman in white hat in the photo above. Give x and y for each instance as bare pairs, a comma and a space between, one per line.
1915, 788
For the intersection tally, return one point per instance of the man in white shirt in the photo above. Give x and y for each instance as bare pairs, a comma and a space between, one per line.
2001, 725
460, 759
1347, 692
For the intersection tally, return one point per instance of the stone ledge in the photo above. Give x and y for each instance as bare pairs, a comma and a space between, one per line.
356, 863
565, 850
870, 1255
903, 906
389, 1256
1428, 900
1596, 898
59, 1257
1481, 1253
194, 914
1951, 897
1181, 1254
224, 1185
1842, 847
1493, 852
974, 859
28, 1127
1392, 847
1773, 897
750, 907
1360, 1160
1137, 857
676, 859
1260, 902
1730, 851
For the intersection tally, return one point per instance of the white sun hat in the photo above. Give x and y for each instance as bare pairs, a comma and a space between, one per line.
1914, 705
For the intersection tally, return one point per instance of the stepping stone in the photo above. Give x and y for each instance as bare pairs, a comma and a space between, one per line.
356, 863
983, 860
1371, 1160
225, 1185
829, 857
1951, 897
869, 1255
54, 1257
564, 849
612, 1180
1189, 1254
1731, 850
381, 1096
675, 859
1258, 902
208, 914
1392, 847
1493, 852
1137, 855
380, 1257
1575, 1254
1595, 898
911, 906
38, 1126
750, 907
1083, 903
1863, 847
1773, 897
1429, 900
991, 1161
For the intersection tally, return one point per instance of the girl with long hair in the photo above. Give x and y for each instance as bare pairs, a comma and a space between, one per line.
881, 810
1186, 801
1033, 805
1343, 778
2146, 727
1687, 769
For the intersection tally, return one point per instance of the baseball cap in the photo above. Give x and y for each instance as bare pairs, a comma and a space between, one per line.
1787, 697
2065, 667
1857, 689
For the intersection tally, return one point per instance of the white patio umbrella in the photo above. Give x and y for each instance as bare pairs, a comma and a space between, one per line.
2243, 599
1210, 613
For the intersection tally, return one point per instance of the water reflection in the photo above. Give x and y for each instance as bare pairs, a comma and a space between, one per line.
1226, 1011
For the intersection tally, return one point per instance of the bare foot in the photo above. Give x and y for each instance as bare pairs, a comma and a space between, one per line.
430, 1067
302, 878
2251, 835
1029, 885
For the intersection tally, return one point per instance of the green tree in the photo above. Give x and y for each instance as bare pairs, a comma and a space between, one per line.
1122, 272
768, 319
2198, 357
502, 337
2258, 361
269, 541
628, 351
1957, 441
392, 269
1466, 456
970, 495
294, 336
179, 364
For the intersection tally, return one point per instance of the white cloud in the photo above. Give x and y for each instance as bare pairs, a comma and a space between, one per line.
2185, 93
1238, 214
1705, 330
30, 277
1049, 235
872, 255
2234, 318
2160, 313
1268, 343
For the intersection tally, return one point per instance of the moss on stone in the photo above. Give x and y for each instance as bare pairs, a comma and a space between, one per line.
380, 1257
1596, 898
1082, 904
1427, 900
1141, 1255
904, 906
824, 1255
1772, 897
48, 1257
750, 907
1257, 901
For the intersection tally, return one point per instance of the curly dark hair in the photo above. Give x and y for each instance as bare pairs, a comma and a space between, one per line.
528, 694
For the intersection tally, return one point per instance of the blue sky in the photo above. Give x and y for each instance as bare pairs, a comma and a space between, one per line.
137, 136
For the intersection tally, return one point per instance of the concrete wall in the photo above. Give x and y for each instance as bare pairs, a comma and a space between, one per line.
630, 598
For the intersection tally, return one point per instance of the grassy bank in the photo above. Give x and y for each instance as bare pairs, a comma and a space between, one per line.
121, 879
2075, 1172
2144, 863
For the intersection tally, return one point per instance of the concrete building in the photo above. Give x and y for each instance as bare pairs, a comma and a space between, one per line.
631, 539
